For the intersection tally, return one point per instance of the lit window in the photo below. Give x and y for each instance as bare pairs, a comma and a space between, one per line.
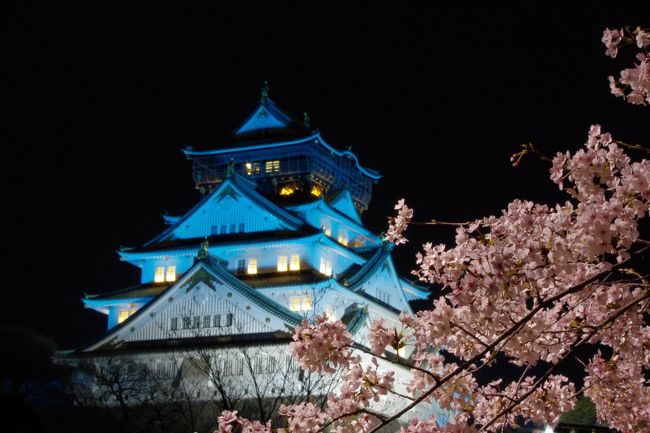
343, 238
316, 191
159, 275
300, 303
295, 263
252, 266
282, 264
327, 229
124, 314
287, 190
272, 166
325, 267
252, 168
170, 275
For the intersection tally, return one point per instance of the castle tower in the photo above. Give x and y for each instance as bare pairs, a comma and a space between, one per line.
276, 237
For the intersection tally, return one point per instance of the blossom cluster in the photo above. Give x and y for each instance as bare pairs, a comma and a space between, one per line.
399, 223
229, 419
322, 346
634, 83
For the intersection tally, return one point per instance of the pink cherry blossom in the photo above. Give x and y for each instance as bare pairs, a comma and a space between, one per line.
642, 38
399, 223
322, 346
611, 39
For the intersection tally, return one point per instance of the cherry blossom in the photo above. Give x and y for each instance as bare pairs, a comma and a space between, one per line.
399, 223
634, 83
321, 346
611, 39
527, 289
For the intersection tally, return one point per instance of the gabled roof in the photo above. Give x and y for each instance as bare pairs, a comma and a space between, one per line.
203, 270
369, 268
382, 259
342, 202
327, 208
237, 185
267, 115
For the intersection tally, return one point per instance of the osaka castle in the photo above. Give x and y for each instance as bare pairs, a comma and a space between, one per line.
276, 237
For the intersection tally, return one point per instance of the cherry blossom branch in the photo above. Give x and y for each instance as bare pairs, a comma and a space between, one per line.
632, 146
508, 334
474, 337
364, 349
347, 415
554, 366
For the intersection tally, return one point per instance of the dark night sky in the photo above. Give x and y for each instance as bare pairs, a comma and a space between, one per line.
100, 100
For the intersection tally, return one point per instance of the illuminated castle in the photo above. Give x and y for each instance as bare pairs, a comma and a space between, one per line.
276, 237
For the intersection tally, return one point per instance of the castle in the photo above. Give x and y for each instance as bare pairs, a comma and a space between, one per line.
277, 237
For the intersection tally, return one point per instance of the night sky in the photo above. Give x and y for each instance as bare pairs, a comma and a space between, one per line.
100, 100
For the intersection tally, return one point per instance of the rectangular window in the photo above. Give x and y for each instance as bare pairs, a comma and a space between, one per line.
170, 275
252, 168
228, 319
327, 229
272, 166
197, 322
187, 322
216, 320
233, 228
325, 266
300, 303
294, 265
343, 238
173, 323
159, 274
282, 264
214, 230
241, 227
123, 315
241, 266
252, 267
223, 229
206, 321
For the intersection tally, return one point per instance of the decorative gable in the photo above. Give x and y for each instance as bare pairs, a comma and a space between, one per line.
207, 302
231, 208
343, 203
263, 118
